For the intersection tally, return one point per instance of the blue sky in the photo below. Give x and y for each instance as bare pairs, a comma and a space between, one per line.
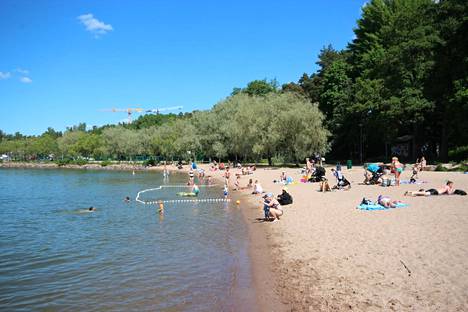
63, 61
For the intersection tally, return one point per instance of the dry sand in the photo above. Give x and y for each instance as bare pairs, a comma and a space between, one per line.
326, 255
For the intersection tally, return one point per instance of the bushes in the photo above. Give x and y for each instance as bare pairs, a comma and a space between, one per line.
105, 163
149, 163
459, 154
68, 161
440, 167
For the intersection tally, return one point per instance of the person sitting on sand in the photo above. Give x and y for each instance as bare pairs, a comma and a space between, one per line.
387, 202
283, 177
447, 189
324, 186
237, 183
248, 186
275, 210
257, 188
341, 181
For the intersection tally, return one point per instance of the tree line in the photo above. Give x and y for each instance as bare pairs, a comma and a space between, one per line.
275, 126
402, 78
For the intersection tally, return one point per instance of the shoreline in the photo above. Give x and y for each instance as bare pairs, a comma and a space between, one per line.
90, 166
262, 259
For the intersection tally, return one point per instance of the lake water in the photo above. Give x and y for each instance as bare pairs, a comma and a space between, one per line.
55, 256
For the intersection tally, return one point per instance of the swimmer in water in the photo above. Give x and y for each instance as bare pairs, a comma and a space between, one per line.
91, 208
195, 189
127, 199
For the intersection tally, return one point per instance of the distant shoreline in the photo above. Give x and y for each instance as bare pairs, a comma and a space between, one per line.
92, 166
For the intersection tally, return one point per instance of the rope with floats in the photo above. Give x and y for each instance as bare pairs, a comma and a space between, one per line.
172, 201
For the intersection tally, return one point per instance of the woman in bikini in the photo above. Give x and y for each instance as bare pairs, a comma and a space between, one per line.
397, 168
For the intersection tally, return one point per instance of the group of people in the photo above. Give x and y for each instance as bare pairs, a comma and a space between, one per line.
384, 174
272, 206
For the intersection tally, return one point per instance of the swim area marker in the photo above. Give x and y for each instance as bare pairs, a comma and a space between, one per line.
173, 201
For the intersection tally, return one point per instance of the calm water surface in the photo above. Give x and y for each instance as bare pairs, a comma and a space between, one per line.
54, 256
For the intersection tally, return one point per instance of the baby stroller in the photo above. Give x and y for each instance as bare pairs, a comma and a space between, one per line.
377, 173
319, 175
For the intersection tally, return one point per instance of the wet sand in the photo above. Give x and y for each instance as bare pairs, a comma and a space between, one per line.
329, 256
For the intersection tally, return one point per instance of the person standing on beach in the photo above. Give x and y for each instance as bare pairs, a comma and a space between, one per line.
397, 168
191, 177
227, 175
308, 166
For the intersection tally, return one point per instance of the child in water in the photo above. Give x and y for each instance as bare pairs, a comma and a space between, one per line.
226, 191
195, 189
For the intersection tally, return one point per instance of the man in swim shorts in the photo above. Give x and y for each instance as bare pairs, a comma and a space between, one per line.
447, 189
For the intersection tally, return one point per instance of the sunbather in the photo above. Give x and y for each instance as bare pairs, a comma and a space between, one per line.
447, 189
387, 202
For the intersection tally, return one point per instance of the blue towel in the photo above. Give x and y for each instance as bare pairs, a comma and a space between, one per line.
379, 207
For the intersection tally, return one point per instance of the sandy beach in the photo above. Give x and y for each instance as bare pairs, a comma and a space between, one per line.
326, 255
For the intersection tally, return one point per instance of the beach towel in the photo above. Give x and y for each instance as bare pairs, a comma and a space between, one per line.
379, 207
409, 182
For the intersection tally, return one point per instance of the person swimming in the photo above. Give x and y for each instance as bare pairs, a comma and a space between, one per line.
127, 199
91, 208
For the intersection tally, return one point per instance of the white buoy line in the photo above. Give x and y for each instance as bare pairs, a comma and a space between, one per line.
202, 200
